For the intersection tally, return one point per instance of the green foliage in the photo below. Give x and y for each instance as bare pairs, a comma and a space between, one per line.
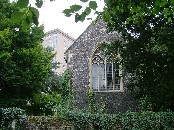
93, 5
39, 3
146, 48
56, 96
147, 120
46, 102
93, 105
12, 118
84, 0
22, 3
126, 121
66, 83
23, 61
137, 9
75, 9
67, 95
25, 14
145, 104
91, 100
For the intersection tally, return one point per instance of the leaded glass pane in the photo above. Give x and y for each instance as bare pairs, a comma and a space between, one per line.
105, 73
95, 76
102, 77
116, 77
109, 76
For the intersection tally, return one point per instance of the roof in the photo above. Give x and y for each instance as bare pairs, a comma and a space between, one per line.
60, 32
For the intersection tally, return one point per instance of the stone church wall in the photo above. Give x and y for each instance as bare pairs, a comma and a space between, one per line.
79, 64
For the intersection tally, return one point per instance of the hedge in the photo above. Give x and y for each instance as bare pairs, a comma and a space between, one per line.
12, 118
126, 121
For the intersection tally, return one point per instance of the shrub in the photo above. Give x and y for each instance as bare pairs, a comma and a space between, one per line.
12, 118
126, 121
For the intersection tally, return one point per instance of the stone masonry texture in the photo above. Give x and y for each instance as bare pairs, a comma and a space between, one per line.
79, 64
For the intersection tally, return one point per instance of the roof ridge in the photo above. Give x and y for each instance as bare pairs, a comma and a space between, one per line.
60, 31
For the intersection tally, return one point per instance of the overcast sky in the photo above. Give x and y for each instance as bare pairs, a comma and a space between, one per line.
51, 17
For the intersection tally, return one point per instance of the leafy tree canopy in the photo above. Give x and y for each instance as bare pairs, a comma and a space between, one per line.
137, 10
146, 49
24, 64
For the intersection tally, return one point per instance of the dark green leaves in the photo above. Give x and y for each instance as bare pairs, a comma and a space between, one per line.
84, 0
88, 11
93, 5
172, 2
35, 15
16, 16
67, 12
77, 17
26, 16
22, 3
124, 121
21, 54
39, 3
75, 8
34, 11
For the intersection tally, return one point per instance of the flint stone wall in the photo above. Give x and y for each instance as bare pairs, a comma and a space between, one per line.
81, 51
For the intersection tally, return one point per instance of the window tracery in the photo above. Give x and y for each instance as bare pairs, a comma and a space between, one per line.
105, 74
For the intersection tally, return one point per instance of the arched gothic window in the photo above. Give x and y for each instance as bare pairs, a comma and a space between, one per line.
105, 74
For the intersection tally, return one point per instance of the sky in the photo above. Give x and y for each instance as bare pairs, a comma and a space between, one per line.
51, 17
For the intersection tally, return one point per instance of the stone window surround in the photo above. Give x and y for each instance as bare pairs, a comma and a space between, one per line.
90, 75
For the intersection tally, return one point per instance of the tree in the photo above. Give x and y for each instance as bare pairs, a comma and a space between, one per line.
56, 95
30, 15
146, 50
24, 64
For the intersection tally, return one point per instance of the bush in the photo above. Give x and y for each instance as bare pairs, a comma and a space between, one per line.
12, 118
88, 121
127, 121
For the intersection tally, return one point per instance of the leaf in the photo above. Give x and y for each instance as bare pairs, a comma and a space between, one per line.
77, 17
16, 16
93, 5
35, 20
165, 11
82, 16
169, 19
35, 15
163, 3
84, 0
26, 23
88, 11
172, 2
34, 11
75, 8
39, 3
67, 12
22, 3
